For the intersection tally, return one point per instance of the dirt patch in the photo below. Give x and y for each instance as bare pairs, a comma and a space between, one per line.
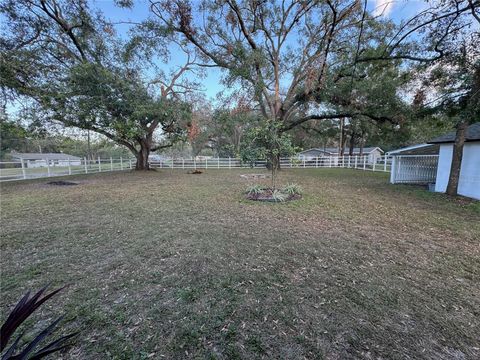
62, 183
268, 195
195, 172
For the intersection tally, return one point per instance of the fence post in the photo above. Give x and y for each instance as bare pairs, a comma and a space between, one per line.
304, 162
195, 163
48, 166
183, 163
218, 162
130, 161
392, 170
206, 163
69, 167
349, 157
374, 163
121, 163
99, 165
398, 167
356, 159
229, 162
330, 161
316, 162
85, 164
385, 163
364, 162
23, 169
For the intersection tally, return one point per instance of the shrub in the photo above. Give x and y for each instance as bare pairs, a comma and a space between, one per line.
292, 189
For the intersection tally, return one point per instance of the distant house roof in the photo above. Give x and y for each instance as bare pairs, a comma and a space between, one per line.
44, 156
334, 151
420, 149
472, 134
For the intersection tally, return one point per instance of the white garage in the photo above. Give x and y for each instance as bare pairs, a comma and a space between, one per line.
430, 163
469, 180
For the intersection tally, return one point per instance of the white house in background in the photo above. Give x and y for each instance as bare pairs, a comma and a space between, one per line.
372, 153
39, 160
431, 162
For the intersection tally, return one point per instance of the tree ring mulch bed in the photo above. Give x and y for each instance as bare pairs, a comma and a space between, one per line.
266, 196
254, 176
62, 183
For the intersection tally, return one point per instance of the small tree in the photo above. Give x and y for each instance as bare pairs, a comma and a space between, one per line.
267, 143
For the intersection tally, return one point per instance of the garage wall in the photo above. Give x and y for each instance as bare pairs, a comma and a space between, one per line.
469, 183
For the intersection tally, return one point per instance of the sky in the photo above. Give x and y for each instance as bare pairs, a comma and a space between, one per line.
139, 12
395, 10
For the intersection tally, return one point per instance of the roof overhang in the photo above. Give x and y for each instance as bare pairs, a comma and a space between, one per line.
420, 149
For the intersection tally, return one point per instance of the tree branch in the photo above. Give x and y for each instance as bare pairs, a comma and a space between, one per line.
334, 116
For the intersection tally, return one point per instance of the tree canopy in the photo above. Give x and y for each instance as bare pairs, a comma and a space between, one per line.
68, 60
312, 68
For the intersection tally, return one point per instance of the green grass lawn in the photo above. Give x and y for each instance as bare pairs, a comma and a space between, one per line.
170, 265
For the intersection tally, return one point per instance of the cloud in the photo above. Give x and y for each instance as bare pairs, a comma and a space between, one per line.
382, 7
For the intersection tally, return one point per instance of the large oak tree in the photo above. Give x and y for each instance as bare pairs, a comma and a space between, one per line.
68, 61
283, 52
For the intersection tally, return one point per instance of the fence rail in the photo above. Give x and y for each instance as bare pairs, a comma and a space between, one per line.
22, 170
355, 162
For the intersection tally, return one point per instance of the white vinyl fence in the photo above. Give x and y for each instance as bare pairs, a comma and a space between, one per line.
19, 170
354, 162
414, 169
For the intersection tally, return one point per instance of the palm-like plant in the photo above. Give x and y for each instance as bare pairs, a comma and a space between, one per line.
279, 196
255, 190
292, 189
24, 308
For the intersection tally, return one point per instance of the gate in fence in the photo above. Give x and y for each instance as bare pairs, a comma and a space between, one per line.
414, 169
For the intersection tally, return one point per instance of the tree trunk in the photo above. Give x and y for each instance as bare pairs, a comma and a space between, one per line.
342, 137
273, 162
89, 149
352, 144
342, 144
142, 157
452, 187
